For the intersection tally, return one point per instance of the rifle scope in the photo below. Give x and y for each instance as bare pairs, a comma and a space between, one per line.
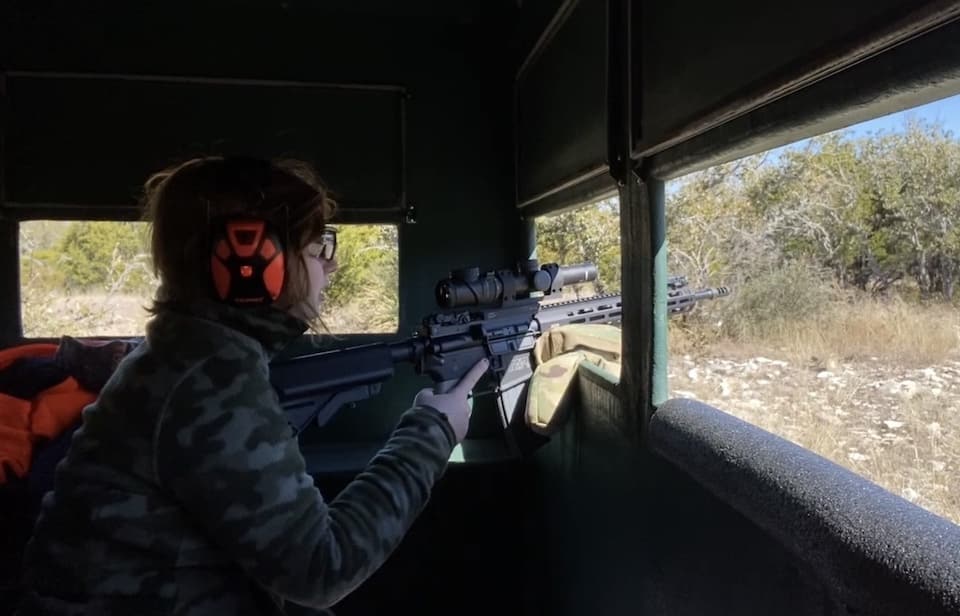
467, 287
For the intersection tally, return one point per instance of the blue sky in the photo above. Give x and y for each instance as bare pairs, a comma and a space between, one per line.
946, 110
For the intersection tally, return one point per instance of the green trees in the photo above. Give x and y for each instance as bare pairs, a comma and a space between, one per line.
878, 212
870, 210
110, 256
367, 261
586, 234
114, 257
796, 229
87, 256
66, 265
363, 295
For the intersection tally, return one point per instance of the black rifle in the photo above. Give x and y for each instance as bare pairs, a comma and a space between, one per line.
497, 315
681, 300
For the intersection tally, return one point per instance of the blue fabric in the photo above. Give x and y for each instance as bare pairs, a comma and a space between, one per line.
28, 376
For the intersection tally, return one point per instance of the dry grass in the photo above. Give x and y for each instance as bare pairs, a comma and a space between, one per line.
911, 335
872, 386
906, 334
49, 314
357, 318
375, 310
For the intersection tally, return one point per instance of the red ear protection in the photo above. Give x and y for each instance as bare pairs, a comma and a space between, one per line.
247, 262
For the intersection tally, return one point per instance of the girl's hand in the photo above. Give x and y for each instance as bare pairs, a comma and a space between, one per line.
454, 403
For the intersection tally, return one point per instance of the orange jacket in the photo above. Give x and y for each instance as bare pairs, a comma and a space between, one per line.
25, 422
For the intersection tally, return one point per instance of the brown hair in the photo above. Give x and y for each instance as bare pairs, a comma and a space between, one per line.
181, 202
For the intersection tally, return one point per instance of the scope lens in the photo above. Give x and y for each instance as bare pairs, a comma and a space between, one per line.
443, 295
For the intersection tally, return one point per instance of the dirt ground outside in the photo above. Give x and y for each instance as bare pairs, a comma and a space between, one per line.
898, 427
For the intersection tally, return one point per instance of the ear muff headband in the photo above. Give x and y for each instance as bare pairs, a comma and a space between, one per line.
247, 263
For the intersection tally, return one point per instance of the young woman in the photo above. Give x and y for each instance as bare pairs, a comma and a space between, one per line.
184, 492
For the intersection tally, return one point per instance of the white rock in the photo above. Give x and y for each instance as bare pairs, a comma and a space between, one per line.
693, 374
763, 382
907, 388
938, 465
857, 457
893, 425
910, 494
724, 388
826, 374
934, 428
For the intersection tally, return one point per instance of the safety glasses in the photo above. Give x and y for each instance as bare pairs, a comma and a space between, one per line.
324, 248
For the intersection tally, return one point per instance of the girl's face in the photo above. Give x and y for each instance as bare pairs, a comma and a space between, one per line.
319, 257
319, 270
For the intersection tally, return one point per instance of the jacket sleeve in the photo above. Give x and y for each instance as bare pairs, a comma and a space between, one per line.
224, 449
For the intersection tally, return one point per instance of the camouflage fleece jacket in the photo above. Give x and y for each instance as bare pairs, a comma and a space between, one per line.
184, 492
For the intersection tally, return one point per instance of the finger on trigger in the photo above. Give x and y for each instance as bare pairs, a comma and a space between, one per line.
470, 378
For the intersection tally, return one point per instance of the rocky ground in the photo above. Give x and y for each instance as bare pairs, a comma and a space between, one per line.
898, 427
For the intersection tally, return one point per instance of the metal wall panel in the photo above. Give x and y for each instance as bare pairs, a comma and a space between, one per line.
561, 105
93, 140
693, 58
